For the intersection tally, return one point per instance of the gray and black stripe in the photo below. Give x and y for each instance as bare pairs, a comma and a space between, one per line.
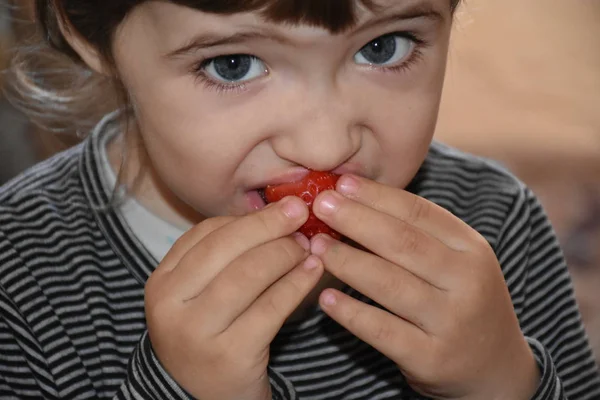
72, 292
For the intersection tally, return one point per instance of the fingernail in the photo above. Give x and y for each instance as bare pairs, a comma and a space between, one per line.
311, 263
329, 204
293, 209
348, 184
318, 246
328, 299
302, 240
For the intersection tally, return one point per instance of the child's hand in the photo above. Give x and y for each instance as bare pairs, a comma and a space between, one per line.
220, 296
451, 326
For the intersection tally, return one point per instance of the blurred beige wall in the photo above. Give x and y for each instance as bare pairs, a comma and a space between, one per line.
523, 87
523, 82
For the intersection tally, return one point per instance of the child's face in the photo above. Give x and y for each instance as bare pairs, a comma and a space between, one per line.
291, 98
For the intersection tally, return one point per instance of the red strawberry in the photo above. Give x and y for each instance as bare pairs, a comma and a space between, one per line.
307, 189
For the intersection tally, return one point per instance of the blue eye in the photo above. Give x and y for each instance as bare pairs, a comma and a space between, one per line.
235, 68
385, 50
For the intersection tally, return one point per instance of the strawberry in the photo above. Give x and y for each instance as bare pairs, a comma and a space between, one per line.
307, 189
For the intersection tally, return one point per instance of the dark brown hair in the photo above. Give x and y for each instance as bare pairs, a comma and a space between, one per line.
58, 91
96, 22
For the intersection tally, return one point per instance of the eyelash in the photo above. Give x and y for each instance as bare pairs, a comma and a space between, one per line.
219, 87
415, 56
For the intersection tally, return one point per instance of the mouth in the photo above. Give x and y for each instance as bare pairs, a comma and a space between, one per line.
261, 193
256, 199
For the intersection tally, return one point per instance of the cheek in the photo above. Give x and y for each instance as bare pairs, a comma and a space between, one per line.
411, 126
404, 119
178, 137
182, 122
404, 109
403, 125
180, 118
194, 147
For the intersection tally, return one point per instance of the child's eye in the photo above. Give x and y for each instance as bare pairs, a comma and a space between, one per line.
235, 68
385, 50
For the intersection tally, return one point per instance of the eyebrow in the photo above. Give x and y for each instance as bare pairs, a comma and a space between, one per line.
208, 40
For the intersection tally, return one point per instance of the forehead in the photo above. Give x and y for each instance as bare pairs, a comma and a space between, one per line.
173, 29
333, 15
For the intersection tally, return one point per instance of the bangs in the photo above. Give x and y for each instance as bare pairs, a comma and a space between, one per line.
334, 15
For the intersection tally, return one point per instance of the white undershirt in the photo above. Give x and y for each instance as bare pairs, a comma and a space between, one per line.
156, 234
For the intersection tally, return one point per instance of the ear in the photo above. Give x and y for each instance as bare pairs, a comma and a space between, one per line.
88, 53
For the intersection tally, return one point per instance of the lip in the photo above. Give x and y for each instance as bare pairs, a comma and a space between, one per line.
289, 176
298, 173
254, 201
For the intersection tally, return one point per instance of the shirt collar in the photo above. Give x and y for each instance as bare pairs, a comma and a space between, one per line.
118, 234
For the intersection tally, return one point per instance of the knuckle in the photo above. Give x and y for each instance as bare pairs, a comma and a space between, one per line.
162, 310
393, 286
340, 260
251, 269
293, 288
208, 226
275, 307
157, 314
198, 233
291, 292
181, 243
265, 221
358, 219
282, 303
356, 320
198, 229
227, 290
407, 240
419, 210
212, 224
290, 252
482, 246
151, 291
383, 332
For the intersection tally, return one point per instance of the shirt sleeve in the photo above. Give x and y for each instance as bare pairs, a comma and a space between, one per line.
147, 379
21, 377
544, 300
26, 368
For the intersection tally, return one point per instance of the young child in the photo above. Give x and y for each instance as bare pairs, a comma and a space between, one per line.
457, 288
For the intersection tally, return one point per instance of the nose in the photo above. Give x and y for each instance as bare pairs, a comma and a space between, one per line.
319, 133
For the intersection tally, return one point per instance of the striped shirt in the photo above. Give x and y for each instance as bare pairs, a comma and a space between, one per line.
72, 278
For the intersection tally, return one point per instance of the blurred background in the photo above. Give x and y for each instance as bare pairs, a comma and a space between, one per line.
523, 87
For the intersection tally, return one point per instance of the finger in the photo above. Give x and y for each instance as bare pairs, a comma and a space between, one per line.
219, 248
393, 239
158, 288
396, 338
393, 287
269, 312
236, 287
413, 209
189, 239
